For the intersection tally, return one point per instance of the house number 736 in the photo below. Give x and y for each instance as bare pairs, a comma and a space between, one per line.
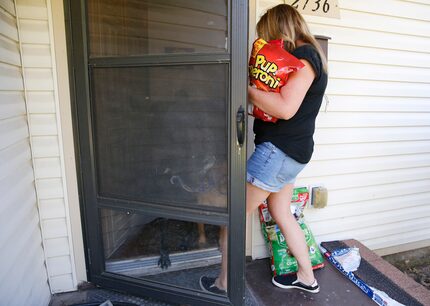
317, 5
326, 8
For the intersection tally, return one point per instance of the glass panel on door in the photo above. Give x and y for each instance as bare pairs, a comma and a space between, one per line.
138, 27
164, 250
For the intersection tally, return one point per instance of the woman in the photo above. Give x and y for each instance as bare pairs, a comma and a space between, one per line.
283, 149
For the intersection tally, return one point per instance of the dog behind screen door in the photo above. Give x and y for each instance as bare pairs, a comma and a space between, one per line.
211, 190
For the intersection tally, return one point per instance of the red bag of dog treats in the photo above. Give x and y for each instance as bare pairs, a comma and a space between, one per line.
269, 67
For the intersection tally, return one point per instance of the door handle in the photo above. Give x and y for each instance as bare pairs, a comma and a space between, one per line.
240, 125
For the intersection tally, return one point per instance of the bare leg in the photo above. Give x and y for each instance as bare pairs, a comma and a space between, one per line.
202, 235
254, 197
279, 208
221, 281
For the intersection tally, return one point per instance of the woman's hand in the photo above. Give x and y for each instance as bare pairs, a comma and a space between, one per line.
285, 104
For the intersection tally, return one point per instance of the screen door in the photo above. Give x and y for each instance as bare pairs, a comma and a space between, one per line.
160, 93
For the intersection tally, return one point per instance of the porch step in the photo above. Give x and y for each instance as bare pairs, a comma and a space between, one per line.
336, 289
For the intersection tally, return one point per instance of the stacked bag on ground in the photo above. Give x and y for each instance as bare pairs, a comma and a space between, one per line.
282, 261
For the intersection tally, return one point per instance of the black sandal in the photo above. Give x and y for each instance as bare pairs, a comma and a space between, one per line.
292, 282
208, 285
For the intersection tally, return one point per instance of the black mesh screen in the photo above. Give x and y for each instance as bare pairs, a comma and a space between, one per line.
161, 133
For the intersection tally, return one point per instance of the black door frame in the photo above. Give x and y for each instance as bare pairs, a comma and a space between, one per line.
76, 34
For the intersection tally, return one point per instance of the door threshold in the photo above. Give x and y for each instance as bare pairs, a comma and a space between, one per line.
179, 261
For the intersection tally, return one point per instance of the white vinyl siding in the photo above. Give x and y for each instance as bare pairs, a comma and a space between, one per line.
372, 139
39, 64
23, 275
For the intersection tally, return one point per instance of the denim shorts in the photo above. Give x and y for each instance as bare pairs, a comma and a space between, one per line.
271, 169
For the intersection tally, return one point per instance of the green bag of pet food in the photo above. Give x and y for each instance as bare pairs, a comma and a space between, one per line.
282, 261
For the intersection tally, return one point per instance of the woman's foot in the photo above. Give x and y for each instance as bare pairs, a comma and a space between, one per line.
292, 282
209, 284
305, 278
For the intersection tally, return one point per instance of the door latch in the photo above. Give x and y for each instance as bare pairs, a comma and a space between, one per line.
240, 125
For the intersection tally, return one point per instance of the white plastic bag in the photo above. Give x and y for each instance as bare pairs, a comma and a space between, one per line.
349, 258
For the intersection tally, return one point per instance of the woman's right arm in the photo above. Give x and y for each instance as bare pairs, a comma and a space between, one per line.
285, 104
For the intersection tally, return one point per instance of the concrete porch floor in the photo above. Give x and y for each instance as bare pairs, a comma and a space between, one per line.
336, 289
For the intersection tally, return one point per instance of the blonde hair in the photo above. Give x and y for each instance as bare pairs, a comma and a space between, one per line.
285, 22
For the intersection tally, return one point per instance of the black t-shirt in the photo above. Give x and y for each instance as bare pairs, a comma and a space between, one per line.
295, 136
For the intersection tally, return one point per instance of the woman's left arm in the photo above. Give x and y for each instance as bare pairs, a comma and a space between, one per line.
285, 104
